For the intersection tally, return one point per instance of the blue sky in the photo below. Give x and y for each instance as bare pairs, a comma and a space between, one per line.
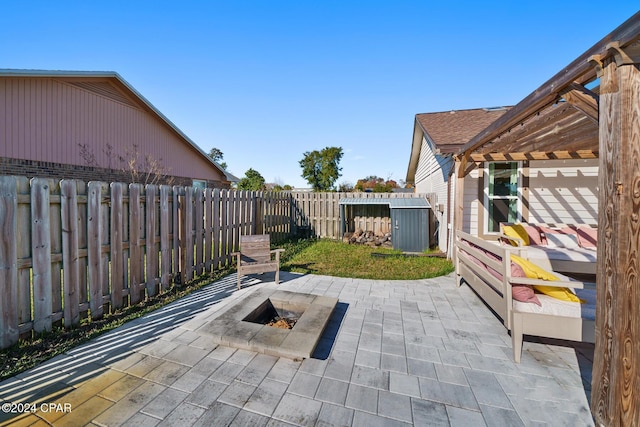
266, 81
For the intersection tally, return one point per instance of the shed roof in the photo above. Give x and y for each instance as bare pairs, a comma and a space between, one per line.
393, 203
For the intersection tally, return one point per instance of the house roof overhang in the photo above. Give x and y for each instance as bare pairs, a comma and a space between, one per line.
446, 131
559, 120
122, 85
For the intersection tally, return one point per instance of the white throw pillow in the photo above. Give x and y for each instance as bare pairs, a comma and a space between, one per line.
569, 241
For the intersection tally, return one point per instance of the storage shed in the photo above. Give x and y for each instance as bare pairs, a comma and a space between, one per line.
409, 219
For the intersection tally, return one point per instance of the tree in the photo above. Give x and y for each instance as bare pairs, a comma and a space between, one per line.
252, 181
139, 168
216, 154
321, 168
376, 184
345, 187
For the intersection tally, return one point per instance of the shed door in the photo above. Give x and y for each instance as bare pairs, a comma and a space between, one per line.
410, 231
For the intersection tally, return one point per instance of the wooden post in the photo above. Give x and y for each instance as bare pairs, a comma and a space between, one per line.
41, 250
136, 279
208, 229
95, 229
8, 261
117, 251
151, 245
616, 366
165, 244
458, 209
70, 258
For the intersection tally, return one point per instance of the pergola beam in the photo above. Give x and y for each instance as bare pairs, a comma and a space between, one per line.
583, 100
580, 71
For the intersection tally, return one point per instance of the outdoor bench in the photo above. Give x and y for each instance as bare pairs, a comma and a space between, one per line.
510, 290
567, 248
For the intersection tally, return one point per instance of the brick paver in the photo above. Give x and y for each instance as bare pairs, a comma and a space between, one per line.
422, 352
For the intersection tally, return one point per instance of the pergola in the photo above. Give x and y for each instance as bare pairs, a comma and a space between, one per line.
564, 119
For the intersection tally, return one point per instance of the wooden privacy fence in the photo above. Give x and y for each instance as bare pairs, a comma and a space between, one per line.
318, 214
70, 250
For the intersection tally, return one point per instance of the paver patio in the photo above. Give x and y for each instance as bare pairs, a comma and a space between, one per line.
421, 352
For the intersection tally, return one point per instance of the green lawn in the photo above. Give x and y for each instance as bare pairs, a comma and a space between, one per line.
334, 258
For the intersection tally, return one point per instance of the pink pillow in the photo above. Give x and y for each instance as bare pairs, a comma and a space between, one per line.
534, 234
524, 293
587, 236
565, 230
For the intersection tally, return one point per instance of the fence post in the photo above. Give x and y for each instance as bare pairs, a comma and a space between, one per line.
117, 254
70, 261
199, 229
165, 244
135, 250
151, 246
187, 235
94, 251
41, 253
8, 261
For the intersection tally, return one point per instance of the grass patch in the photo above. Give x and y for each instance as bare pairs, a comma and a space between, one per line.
333, 258
28, 353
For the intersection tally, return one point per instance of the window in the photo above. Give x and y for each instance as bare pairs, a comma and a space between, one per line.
501, 195
197, 183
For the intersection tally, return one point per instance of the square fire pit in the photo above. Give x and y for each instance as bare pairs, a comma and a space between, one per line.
246, 323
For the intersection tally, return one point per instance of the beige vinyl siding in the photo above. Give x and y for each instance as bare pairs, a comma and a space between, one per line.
471, 202
431, 177
46, 119
563, 191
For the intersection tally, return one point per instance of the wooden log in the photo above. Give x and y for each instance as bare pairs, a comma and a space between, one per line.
70, 272
41, 254
8, 261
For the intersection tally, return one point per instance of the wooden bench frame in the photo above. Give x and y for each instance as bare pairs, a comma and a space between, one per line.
497, 295
255, 256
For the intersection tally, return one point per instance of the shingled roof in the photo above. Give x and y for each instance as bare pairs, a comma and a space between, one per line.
449, 130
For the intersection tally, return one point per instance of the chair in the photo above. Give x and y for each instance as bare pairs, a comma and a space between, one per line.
255, 256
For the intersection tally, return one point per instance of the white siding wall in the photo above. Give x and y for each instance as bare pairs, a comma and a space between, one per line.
471, 203
432, 174
563, 191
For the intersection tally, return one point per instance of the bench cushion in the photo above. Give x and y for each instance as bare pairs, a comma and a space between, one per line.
553, 306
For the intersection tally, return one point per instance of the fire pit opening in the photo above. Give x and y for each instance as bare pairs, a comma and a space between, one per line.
244, 324
278, 314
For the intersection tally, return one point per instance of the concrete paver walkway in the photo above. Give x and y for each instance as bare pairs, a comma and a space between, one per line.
422, 352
